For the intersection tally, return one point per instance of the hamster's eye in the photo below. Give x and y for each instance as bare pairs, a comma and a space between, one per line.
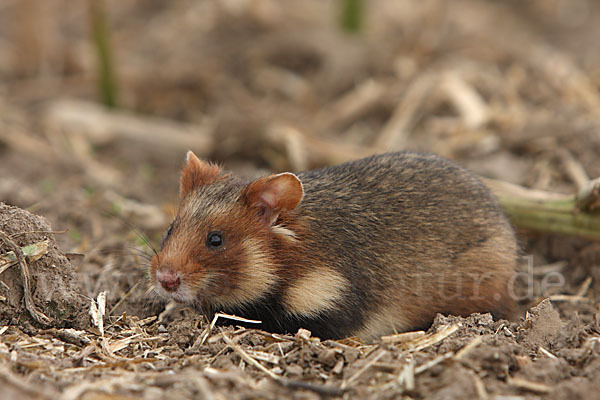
169, 232
214, 240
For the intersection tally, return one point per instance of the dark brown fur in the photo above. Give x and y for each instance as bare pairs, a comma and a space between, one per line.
375, 246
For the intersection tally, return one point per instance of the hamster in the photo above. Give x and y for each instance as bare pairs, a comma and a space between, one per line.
365, 248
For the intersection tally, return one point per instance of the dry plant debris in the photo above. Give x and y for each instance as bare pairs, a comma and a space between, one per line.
137, 356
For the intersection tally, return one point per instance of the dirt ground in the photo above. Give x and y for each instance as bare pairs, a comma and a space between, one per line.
509, 89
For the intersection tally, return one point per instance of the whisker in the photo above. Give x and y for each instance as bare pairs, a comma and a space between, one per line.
129, 251
144, 238
141, 253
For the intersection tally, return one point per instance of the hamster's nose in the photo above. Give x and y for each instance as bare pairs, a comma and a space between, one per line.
168, 279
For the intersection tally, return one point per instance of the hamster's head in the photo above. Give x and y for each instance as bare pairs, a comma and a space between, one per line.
219, 249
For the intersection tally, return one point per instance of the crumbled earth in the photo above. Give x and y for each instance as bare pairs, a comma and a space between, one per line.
53, 281
509, 89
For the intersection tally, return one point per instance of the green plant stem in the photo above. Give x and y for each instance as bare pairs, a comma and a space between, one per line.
549, 213
107, 83
352, 15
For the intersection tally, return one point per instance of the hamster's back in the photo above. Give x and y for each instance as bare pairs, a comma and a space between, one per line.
415, 234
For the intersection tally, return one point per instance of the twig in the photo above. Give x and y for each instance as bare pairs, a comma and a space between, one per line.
19, 139
249, 359
352, 104
502, 189
430, 340
318, 150
468, 348
293, 143
286, 82
563, 73
101, 125
472, 108
569, 298
212, 324
482, 394
529, 385
547, 353
394, 134
432, 363
29, 304
407, 376
402, 337
548, 268
146, 215
321, 389
364, 368
574, 168
584, 287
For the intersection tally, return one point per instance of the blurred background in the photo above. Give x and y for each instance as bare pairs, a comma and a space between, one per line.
101, 99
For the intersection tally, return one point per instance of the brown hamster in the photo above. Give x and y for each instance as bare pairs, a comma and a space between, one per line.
366, 248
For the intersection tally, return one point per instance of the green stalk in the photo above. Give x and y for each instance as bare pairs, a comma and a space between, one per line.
107, 83
352, 15
549, 212
552, 218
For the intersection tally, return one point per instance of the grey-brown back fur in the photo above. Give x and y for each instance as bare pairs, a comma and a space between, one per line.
395, 226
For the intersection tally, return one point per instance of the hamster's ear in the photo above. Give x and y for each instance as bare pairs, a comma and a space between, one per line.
273, 194
197, 173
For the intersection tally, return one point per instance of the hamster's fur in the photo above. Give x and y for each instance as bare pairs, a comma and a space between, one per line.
365, 248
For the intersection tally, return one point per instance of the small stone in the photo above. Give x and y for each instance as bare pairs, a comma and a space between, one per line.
542, 326
303, 334
329, 356
294, 370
